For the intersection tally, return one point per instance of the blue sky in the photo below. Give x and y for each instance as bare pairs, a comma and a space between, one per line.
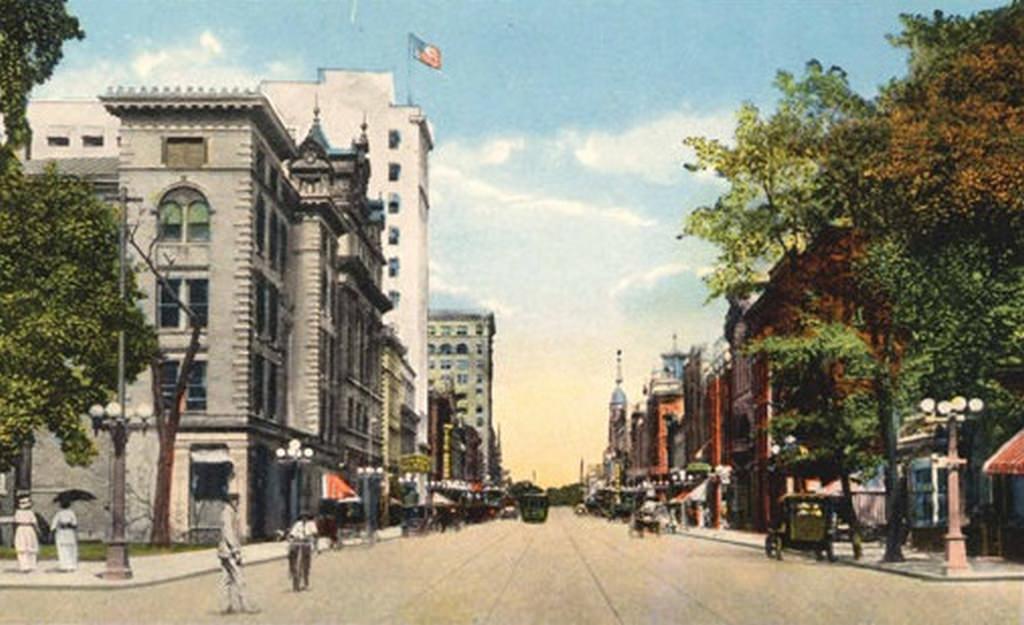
556, 182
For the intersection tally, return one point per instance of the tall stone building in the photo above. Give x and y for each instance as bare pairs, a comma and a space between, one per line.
461, 350
276, 246
402, 140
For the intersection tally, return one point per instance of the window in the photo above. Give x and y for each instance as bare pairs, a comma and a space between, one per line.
394, 139
58, 142
283, 236
393, 267
168, 312
273, 239
272, 312
446, 348
393, 234
446, 365
257, 384
196, 397
261, 225
199, 299
479, 421
92, 141
479, 329
461, 349
184, 214
431, 348
446, 331
272, 391
168, 380
479, 348
462, 378
261, 303
462, 331
479, 409
463, 365
394, 171
273, 180
394, 296
184, 152
351, 413
431, 363
394, 203
260, 163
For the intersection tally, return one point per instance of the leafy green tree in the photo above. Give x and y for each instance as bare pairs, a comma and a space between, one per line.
824, 372
32, 36
772, 208
61, 312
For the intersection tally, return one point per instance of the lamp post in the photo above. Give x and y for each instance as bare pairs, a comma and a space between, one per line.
119, 422
370, 478
293, 455
953, 412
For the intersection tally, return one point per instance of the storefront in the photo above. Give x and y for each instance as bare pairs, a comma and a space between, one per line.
1006, 467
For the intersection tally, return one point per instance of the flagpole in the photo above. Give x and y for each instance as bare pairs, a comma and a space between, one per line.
408, 69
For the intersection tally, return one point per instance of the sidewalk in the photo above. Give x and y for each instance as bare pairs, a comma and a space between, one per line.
149, 570
921, 565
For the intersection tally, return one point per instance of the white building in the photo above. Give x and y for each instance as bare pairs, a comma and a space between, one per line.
400, 142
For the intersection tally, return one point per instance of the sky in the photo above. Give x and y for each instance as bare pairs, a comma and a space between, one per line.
557, 186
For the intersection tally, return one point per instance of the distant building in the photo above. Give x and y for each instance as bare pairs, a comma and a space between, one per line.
461, 346
617, 452
398, 391
402, 140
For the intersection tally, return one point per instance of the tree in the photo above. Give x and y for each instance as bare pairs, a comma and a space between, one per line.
824, 373
32, 36
61, 312
168, 414
772, 208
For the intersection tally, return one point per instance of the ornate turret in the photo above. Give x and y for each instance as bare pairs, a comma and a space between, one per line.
618, 395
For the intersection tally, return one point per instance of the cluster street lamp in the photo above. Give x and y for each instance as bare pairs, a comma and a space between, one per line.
293, 455
953, 411
119, 422
370, 477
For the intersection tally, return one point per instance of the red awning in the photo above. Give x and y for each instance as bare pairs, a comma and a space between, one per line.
1009, 460
335, 487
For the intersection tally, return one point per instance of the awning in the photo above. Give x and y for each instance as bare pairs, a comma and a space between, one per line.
333, 486
211, 455
1009, 460
441, 500
698, 494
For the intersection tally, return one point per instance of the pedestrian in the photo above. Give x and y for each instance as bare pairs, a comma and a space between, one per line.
26, 533
229, 550
65, 533
301, 543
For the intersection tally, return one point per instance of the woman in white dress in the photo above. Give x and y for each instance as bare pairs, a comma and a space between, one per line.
65, 534
26, 534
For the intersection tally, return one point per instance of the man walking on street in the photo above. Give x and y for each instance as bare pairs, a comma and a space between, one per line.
229, 550
301, 542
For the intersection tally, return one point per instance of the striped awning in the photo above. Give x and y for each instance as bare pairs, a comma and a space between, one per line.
1009, 460
336, 488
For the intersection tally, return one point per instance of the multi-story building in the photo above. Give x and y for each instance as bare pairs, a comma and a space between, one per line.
276, 248
402, 140
461, 346
398, 390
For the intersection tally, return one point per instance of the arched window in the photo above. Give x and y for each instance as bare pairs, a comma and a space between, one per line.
184, 215
461, 349
446, 348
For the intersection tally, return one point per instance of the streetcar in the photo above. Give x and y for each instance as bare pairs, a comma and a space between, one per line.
533, 507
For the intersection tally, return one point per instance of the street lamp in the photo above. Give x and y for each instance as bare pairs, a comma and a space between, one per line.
293, 455
370, 477
119, 422
953, 412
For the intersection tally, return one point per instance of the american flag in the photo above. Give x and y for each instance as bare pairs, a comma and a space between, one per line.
428, 54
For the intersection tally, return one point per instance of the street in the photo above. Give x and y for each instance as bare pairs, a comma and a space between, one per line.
569, 570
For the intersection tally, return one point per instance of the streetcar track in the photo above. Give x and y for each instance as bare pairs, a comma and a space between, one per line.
593, 576
508, 580
389, 618
629, 556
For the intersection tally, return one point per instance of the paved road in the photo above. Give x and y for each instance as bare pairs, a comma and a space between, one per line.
570, 570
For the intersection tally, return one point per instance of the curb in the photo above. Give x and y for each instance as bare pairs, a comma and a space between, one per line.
129, 585
927, 577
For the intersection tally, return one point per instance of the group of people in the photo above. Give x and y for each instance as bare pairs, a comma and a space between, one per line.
303, 542
28, 535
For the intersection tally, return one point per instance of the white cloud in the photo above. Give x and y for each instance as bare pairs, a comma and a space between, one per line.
441, 284
205, 61
649, 278
486, 196
652, 150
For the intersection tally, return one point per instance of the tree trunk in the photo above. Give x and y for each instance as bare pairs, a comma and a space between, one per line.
893, 490
168, 432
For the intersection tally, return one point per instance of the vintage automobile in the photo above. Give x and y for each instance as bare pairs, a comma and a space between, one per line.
809, 522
